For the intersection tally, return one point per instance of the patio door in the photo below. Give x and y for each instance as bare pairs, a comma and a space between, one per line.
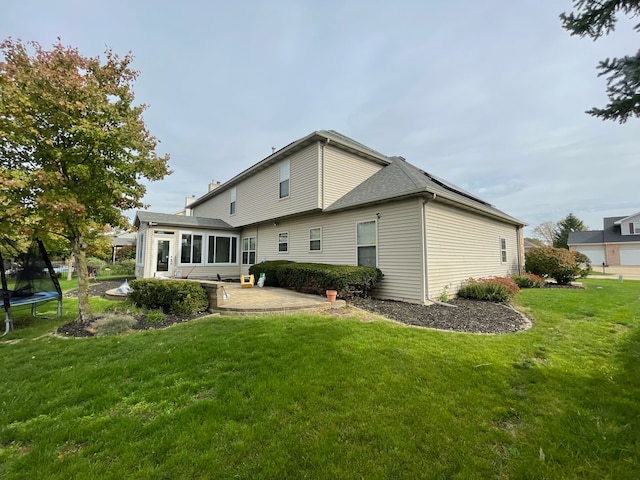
164, 264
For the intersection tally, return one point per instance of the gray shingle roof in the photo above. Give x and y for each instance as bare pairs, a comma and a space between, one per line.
590, 236
180, 220
610, 234
400, 179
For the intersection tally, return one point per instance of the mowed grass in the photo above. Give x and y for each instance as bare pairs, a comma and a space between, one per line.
313, 396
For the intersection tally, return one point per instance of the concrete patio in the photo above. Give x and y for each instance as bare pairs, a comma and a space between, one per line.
270, 301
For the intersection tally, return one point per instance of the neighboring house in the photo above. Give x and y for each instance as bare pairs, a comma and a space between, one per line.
328, 199
617, 244
120, 240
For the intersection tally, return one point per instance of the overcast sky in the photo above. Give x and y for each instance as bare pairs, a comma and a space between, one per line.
489, 95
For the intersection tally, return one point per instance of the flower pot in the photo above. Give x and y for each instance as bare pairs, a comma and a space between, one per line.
331, 295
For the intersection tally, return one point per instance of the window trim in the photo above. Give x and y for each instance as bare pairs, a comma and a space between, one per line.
311, 250
232, 201
286, 163
202, 245
636, 228
503, 250
141, 248
375, 244
214, 236
249, 251
286, 244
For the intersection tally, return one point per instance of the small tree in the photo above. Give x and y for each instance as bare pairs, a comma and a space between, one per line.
544, 232
569, 224
557, 263
73, 146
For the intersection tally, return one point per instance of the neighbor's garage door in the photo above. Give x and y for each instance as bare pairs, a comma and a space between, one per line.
595, 253
630, 254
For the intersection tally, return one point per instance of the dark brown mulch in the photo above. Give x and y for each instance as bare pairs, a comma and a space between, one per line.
469, 316
98, 289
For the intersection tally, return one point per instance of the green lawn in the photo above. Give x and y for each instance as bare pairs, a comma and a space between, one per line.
320, 397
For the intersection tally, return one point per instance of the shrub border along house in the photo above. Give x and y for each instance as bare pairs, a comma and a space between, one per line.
349, 281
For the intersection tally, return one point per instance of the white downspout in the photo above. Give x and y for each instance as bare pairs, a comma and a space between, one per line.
425, 264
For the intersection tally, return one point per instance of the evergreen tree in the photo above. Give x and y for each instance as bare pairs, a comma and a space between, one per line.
569, 224
595, 18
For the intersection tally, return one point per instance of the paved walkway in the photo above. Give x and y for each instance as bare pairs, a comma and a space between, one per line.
628, 273
271, 300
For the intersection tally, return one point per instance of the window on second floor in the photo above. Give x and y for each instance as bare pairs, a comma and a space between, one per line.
190, 248
315, 239
232, 201
284, 179
503, 250
283, 242
635, 228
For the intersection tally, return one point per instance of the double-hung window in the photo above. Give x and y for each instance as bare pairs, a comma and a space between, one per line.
284, 179
283, 242
222, 249
249, 250
315, 239
503, 250
366, 235
635, 228
232, 201
190, 248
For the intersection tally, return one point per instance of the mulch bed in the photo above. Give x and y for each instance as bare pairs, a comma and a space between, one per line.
469, 316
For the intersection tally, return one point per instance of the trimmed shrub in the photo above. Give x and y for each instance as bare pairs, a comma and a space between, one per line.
317, 278
557, 263
177, 297
270, 269
496, 289
126, 268
528, 280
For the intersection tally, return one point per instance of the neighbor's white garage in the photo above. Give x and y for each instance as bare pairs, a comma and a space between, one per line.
630, 255
594, 252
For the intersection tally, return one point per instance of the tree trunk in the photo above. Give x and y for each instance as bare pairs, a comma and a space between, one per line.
80, 255
70, 262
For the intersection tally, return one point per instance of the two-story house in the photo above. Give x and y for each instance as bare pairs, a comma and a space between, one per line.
617, 244
326, 198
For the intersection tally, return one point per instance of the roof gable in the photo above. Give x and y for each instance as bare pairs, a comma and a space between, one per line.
326, 136
401, 179
624, 219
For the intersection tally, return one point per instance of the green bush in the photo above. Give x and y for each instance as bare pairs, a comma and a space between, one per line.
317, 278
528, 280
95, 265
497, 289
125, 268
557, 263
177, 297
270, 270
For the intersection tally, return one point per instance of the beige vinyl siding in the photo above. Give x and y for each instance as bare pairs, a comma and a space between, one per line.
398, 247
461, 244
257, 197
343, 172
625, 228
400, 251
